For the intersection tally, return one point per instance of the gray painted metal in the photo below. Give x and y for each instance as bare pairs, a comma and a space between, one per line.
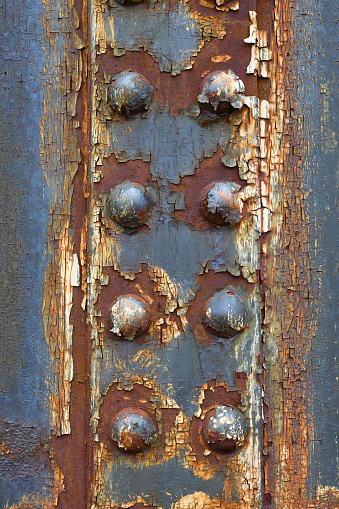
24, 206
316, 73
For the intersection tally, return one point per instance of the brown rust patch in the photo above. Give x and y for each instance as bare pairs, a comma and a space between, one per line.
206, 462
213, 394
64, 148
182, 90
113, 172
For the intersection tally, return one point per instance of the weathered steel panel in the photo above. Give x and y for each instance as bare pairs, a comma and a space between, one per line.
317, 28
38, 161
24, 361
173, 258
118, 366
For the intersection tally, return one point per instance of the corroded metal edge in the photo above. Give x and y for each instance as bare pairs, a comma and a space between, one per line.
286, 280
290, 286
60, 157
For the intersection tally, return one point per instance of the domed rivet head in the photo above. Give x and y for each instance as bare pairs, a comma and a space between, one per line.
129, 93
130, 204
129, 2
219, 203
225, 314
133, 431
225, 429
130, 316
221, 93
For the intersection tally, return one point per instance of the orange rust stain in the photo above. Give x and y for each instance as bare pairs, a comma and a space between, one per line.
221, 58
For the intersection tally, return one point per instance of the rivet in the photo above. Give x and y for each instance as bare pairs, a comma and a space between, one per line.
133, 431
219, 203
130, 316
225, 314
130, 204
225, 429
129, 2
129, 93
221, 93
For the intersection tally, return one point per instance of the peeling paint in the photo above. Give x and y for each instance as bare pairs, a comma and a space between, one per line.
148, 269
167, 257
172, 36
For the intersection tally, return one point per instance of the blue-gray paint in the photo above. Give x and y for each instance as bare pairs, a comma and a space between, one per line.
315, 70
170, 481
180, 251
174, 144
24, 205
172, 37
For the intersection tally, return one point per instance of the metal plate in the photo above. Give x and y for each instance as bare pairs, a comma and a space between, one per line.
175, 260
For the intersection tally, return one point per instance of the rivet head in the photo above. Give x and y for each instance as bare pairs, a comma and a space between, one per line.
129, 93
130, 316
221, 93
225, 429
133, 431
130, 204
129, 2
219, 203
226, 314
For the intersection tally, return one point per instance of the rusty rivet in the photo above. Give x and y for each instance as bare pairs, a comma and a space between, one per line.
129, 93
133, 431
129, 2
221, 93
225, 429
130, 316
225, 314
130, 204
219, 203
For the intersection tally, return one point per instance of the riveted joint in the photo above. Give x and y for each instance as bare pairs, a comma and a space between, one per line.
129, 93
220, 204
130, 316
221, 93
130, 204
133, 431
226, 314
225, 429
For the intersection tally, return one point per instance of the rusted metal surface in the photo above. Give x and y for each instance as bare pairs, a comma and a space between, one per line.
130, 204
130, 316
195, 338
220, 94
129, 93
156, 351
